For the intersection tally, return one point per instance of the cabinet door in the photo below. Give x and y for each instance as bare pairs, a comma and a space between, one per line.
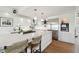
67, 37
46, 39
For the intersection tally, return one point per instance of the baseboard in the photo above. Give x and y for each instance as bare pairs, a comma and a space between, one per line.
66, 42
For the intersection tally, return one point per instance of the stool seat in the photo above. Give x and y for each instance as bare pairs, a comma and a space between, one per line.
36, 41
16, 47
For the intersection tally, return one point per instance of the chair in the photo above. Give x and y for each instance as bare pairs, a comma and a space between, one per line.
16, 47
36, 42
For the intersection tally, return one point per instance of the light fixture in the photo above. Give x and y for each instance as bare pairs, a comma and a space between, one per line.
35, 9
43, 18
35, 16
14, 11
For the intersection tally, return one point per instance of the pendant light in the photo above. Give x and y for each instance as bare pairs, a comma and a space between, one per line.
44, 20
35, 17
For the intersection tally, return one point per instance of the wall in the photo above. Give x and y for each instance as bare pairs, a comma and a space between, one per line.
16, 21
68, 36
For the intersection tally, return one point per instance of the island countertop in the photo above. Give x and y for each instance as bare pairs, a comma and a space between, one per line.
10, 39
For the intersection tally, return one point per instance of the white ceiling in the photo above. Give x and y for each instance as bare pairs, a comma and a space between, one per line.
29, 10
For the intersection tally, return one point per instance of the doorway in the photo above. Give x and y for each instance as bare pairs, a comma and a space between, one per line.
77, 35
54, 26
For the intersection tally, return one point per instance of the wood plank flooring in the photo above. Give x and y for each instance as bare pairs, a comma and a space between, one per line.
59, 47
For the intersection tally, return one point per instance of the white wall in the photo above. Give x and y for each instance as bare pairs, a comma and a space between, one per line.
16, 21
68, 36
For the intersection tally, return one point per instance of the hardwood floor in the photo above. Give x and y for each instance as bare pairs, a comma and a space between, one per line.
59, 47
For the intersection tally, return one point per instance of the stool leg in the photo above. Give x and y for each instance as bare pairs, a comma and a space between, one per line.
5, 47
26, 49
40, 47
31, 48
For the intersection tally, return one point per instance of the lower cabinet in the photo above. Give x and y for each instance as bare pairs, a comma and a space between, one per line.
46, 40
66, 37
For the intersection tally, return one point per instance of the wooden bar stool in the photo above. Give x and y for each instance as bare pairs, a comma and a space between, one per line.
36, 42
16, 47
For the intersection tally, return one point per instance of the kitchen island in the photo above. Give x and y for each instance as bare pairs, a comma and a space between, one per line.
10, 39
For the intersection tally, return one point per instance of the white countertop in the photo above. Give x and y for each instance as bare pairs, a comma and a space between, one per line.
10, 39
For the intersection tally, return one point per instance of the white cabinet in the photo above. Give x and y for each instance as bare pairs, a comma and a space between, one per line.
67, 37
46, 39
8, 40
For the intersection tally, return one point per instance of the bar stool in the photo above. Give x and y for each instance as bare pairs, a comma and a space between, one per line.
36, 42
16, 47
